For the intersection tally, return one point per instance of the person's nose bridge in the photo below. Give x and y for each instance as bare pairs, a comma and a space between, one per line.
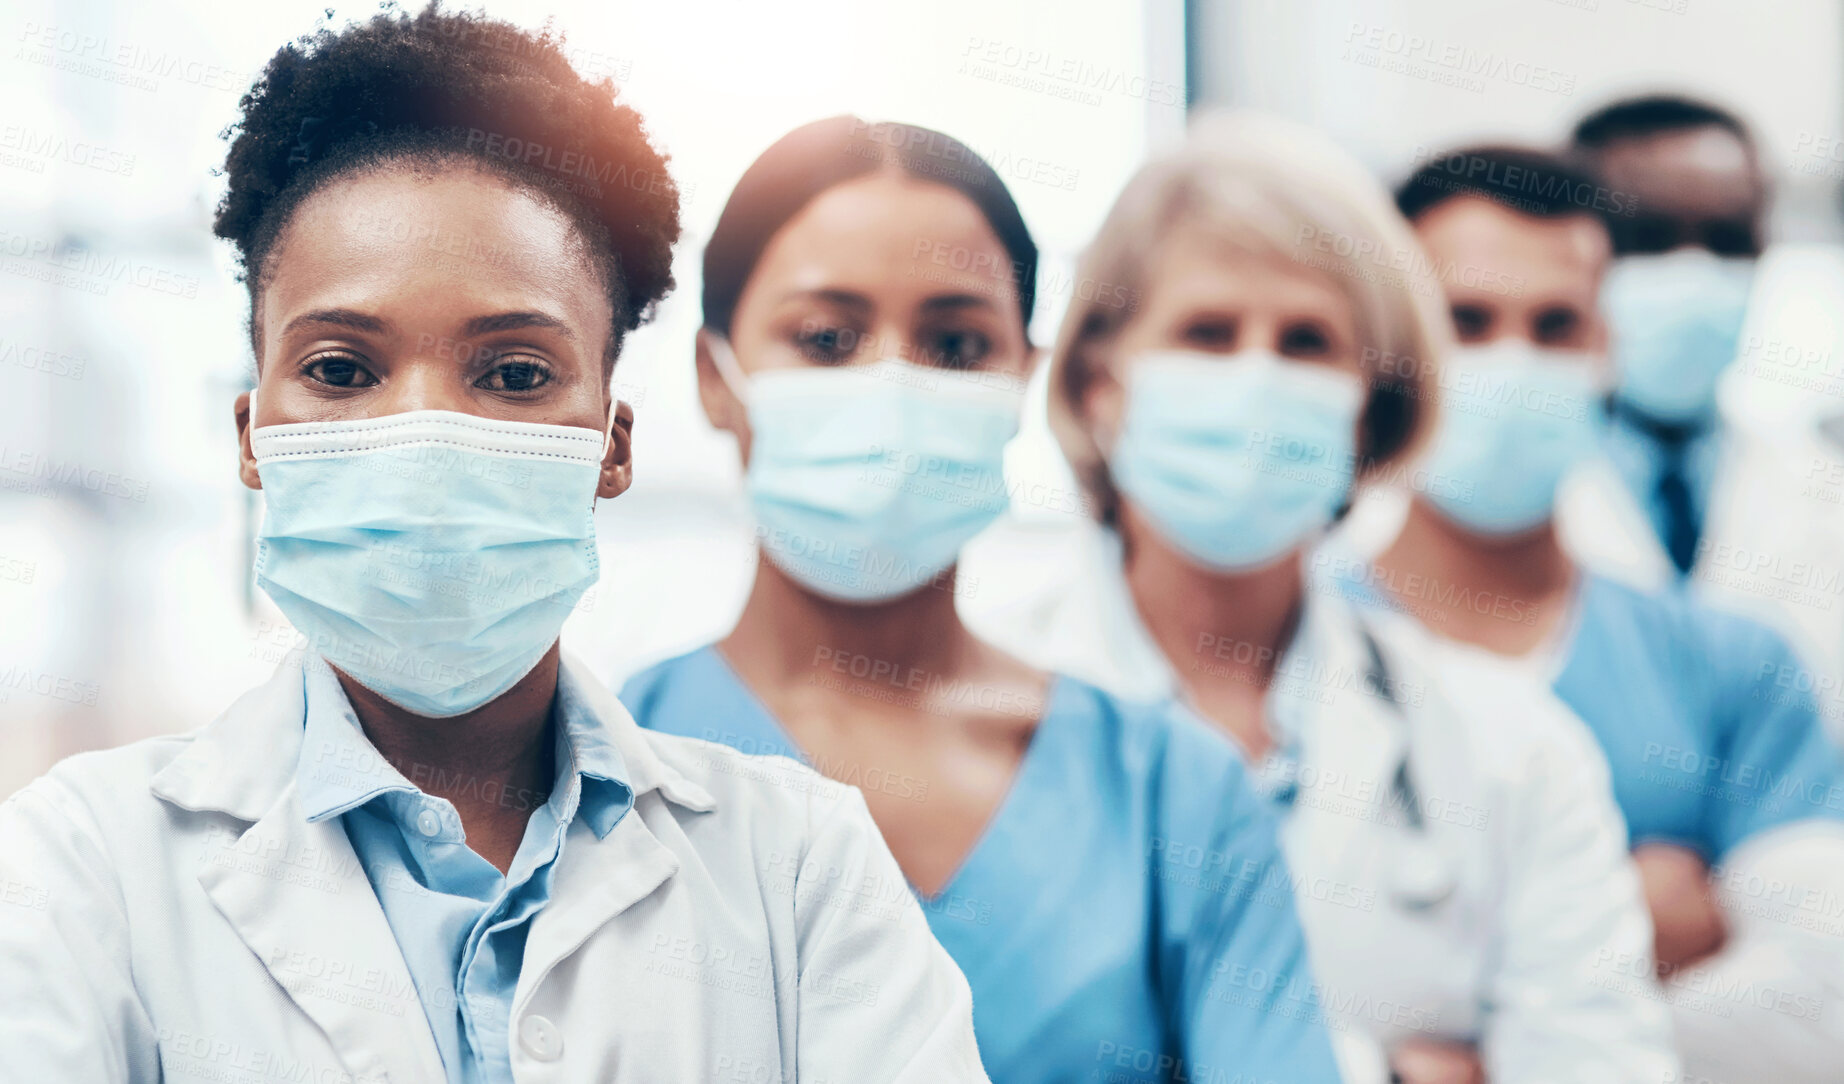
889, 338
1257, 329
427, 379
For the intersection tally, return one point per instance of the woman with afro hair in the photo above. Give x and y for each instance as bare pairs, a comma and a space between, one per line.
432, 847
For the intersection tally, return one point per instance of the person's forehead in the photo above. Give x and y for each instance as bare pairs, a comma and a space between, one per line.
381, 232
1500, 239
1199, 268
888, 232
1706, 171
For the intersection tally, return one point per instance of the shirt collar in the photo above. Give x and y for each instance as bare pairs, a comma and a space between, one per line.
585, 747
339, 769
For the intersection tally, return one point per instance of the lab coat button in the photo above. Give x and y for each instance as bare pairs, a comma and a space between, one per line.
428, 823
540, 1038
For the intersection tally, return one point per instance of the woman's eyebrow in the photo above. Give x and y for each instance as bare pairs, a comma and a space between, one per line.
511, 321
351, 319
844, 298
951, 302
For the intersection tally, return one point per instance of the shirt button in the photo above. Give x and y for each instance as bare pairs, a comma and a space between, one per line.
428, 823
540, 1038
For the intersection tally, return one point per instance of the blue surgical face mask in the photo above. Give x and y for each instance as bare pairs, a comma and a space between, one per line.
1677, 319
432, 556
1514, 420
867, 480
1237, 460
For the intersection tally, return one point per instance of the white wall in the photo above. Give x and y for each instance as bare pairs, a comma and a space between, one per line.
1389, 76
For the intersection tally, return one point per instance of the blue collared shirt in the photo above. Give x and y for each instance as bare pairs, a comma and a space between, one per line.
460, 923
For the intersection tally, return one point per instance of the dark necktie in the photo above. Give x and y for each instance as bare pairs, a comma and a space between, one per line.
1680, 529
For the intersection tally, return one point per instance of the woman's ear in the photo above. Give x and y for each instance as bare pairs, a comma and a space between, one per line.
721, 406
241, 411
1101, 401
618, 457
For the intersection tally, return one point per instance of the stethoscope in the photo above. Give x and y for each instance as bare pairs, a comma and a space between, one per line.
1422, 876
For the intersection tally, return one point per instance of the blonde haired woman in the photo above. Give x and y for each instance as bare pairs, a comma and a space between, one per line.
1457, 856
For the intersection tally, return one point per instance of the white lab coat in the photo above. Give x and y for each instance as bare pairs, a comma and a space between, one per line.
1541, 952
1773, 536
166, 914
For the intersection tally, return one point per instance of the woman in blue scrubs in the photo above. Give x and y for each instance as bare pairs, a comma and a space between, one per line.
1102, 872
1732, 793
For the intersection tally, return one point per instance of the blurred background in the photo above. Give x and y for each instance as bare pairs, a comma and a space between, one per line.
126, 605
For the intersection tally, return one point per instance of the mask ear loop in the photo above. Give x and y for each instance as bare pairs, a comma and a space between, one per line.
724, 358
608, 428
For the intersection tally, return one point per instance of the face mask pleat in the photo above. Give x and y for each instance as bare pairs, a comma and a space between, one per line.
432, 556
866, 481
1515, 420
1237, 460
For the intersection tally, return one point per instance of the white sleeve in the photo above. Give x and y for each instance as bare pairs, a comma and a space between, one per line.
1770, 1005
880, 999
1574, 995
68, 1007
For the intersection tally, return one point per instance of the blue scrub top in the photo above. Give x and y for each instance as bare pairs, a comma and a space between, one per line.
1708, 718
1126, 915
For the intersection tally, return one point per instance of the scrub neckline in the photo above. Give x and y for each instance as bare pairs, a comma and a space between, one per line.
1002, 814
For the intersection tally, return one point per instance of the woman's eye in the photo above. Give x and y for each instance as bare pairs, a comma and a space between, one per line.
1304, 340
826, 345
957, 349
1472, 323
339, 371
1209, 333
1556, 326
515, 375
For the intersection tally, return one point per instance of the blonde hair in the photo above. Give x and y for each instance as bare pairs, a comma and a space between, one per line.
1269, 188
